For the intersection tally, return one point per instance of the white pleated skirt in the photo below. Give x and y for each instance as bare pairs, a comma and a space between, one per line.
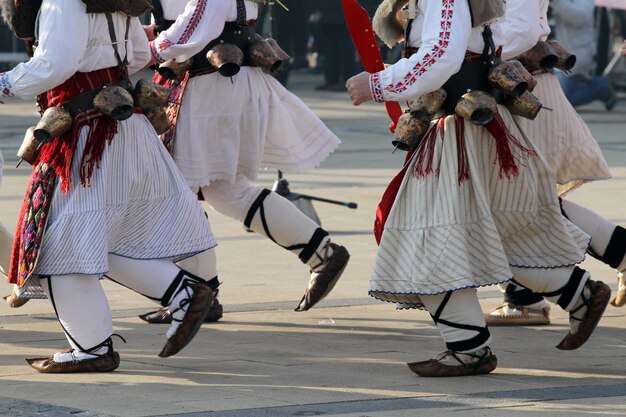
137, 205
441, 235
228, 127
563, 138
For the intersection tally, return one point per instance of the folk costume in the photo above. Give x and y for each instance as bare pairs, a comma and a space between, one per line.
227, 128
104, 197
570, 149
470, 190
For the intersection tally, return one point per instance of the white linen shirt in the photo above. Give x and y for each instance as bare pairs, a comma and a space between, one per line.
197, 22
70, 41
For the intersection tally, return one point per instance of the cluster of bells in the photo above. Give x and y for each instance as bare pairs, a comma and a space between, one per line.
118, 102
479, 107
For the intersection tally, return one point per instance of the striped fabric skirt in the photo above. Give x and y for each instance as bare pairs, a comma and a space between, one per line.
563, 138
236, 127
137, 205
443, 235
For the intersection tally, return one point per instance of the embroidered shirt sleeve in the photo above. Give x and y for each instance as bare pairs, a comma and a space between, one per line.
445, 35
191, 31
5, 85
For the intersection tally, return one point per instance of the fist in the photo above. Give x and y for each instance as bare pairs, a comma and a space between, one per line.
359, 88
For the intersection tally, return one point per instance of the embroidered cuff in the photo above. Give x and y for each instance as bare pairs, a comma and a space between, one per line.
5, 85
375, 87
163, 44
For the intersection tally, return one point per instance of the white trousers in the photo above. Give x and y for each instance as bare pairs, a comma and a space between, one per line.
81, 305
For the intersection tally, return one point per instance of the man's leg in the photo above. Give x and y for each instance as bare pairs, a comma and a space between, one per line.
187, 296
274, 217
83, 311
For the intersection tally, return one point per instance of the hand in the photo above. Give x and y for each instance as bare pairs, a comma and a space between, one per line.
359, 88
150, 31
623, 51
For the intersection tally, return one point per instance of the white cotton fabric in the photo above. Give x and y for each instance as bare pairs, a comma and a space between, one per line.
238, 125
228, 128
70, 40
137, 206
563, 138
443, 236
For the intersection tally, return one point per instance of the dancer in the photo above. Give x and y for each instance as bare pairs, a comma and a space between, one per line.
104, 197
453, 204
227, 128
574, 155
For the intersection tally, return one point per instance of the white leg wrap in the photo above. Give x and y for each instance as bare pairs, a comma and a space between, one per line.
82, 308
203, 264
596, 226
459, 318
561, 286
151, 278
268, 214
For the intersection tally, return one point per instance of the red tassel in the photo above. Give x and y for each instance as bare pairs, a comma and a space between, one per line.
101, 133
460, 149
506, 159
426, 151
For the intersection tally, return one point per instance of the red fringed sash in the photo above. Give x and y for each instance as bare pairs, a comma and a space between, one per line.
54, 163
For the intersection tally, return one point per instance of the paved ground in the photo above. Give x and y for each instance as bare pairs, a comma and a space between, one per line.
347, 356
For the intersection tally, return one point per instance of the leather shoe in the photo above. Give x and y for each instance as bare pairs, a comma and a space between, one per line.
484, 361
600, 296
14, 301
163, 316
199, 307
105, 363
323, 282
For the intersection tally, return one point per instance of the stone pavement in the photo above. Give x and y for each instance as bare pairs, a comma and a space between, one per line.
345, 357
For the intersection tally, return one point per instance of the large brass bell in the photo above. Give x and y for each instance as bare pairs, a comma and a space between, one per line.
426, 106
566, 60
30, 147
263, 55
527, 76
282, 55
174, 70
477, 106
508, 78
148, 95
54, 122
409, 132
158, 119
527, 105
115, 102
226, 58
540, 57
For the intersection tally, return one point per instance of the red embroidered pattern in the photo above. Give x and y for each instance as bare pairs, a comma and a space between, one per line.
189, 30
447, 11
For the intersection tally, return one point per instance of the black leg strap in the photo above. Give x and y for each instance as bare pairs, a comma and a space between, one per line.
567, 293
256, 205
520, 296
462, 345
615, 250
165, 300
308, 249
